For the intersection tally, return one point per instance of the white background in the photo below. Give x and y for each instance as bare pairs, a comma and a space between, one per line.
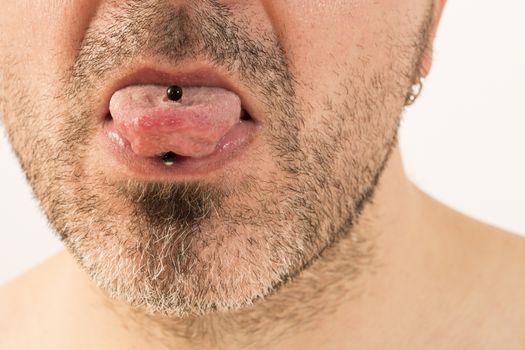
463, 142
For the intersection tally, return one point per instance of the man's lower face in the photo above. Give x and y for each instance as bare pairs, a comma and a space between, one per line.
325, 111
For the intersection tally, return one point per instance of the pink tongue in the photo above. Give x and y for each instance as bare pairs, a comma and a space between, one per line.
192, 126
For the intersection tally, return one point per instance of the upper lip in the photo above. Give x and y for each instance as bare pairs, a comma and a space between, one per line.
196, 73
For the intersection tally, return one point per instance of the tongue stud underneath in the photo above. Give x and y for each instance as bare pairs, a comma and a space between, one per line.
168, 158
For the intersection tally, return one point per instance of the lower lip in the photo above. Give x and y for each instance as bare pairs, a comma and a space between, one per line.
123, 161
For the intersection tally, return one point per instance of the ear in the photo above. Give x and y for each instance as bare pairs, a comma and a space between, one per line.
426, 64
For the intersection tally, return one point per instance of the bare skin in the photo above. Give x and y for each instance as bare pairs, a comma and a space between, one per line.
440, 280
408, 273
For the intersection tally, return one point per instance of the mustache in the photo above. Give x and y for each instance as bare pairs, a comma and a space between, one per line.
204, 30
197, 29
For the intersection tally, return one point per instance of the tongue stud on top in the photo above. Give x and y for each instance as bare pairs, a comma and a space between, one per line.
174, 93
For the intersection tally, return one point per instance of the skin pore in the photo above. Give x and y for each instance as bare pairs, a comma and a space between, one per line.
317, 241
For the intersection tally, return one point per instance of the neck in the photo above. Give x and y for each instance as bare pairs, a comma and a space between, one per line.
356, 286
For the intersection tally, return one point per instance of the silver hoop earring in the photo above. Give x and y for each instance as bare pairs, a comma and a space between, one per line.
415, 91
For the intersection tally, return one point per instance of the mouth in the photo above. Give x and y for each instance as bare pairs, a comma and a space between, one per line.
162, 141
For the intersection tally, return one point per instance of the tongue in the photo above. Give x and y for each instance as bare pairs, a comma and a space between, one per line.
192, 126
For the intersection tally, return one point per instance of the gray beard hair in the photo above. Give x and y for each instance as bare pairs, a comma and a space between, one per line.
198, 257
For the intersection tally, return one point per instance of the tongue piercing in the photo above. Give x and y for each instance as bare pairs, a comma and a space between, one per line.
168, 158
174, 93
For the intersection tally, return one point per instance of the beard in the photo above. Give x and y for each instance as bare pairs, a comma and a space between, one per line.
189, 248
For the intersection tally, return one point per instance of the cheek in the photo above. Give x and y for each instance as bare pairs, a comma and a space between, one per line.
38, 43
325, 40
40, 38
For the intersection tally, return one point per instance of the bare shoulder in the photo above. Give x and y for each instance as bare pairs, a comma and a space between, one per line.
505, 289
506, 251
497, 275
485, 273
11, 310
23, 301
480, 244
495, 253
505, 248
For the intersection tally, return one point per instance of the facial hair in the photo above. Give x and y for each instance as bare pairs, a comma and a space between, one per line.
193, 248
